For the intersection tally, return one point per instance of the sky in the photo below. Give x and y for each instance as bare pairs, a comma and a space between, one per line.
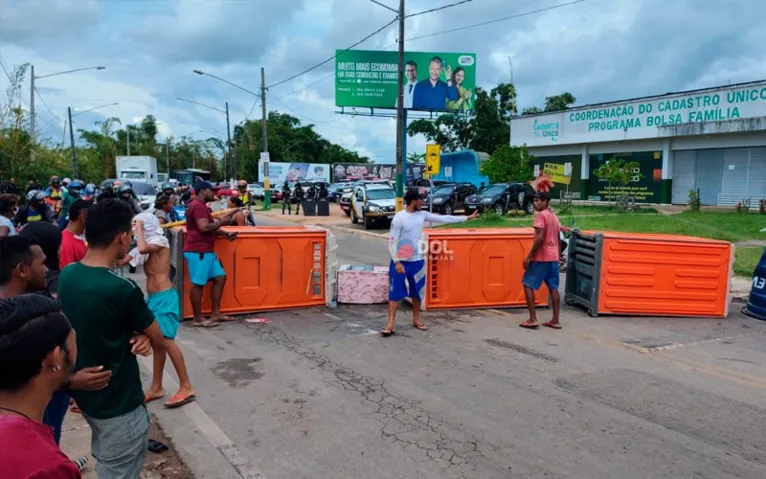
598, 50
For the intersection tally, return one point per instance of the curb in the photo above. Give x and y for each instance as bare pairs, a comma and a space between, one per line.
353, 231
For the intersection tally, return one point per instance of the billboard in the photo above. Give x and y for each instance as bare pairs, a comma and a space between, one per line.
279, 172
713, 110
355, 171
432, 81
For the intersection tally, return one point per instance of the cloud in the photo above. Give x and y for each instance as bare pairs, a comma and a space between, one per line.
599, 50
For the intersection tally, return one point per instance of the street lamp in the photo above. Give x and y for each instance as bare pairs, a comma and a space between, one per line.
262, 96
32, 79
232, 160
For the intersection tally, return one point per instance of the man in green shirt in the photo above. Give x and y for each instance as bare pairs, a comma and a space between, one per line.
107, 310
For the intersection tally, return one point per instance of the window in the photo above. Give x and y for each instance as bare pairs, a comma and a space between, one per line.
381, 194
359, 195
495, 190
444, 189
143, 189
133, 175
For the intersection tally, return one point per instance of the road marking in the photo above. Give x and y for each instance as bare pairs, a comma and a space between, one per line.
211, 431
690, 344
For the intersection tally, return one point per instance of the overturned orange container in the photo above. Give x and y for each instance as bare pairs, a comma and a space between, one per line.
267, 268
477, 268
649, 275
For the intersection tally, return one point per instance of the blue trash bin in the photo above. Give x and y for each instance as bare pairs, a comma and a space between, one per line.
756, 304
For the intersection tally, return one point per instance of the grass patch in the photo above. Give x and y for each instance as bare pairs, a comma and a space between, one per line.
746, 259
732, 227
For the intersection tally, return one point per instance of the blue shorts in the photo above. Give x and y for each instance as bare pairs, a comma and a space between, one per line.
540, 272
409, 284
165, 308
203, 267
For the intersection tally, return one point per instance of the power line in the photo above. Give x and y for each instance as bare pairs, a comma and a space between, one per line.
532, 12
510, 17
46, 105
334, 56
437, 9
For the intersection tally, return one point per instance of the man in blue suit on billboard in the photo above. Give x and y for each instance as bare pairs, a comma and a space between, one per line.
432, 93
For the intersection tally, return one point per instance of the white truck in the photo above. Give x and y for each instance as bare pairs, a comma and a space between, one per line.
141, 168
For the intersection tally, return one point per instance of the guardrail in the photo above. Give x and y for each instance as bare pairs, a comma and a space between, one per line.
727, 199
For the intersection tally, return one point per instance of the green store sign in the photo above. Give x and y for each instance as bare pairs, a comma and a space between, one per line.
645, 184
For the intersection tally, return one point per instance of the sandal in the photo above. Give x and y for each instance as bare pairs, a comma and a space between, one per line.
420, 326
527, 325
205, 324
179, 400
552, 325
387, 332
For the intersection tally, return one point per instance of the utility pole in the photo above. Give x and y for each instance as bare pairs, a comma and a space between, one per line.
167, 156
71, 140
401, 118
233, 168
127, 133
265, 134
32, 132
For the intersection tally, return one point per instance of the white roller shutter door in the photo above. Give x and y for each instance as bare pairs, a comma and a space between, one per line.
708, 176
684, 165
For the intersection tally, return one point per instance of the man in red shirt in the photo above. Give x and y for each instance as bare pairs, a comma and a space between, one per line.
199, 252
73, 247
542, 262
37, 355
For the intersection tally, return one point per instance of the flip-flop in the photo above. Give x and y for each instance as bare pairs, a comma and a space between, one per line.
206, 324
178, 401
526, 325
224, 319
421, 327
148, 399
387, 332
552, 325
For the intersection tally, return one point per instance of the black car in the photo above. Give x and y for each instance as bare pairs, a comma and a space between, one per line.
449, 197
502, 197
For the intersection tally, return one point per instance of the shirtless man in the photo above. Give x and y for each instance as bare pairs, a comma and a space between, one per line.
164, 304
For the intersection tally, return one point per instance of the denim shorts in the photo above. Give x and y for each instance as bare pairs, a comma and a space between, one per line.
119, 444
539, 272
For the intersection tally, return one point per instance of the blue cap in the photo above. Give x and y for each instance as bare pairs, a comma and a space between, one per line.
203, 185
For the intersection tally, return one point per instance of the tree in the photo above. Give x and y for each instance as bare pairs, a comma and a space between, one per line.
417, 158
552, 103
508, 163
618, 172
289, 141
485, 129
559, 102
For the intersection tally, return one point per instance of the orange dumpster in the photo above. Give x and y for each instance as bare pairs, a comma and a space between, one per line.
650, 275
477, 268
267, 268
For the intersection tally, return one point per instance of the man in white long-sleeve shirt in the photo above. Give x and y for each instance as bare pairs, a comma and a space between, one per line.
406, 272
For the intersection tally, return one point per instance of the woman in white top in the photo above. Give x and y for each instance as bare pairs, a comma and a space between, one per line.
8, 204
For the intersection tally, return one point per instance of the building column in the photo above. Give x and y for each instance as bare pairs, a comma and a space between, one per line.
666, 188
584, 172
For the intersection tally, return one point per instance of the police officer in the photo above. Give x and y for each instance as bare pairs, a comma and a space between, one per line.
298, 194
286, 198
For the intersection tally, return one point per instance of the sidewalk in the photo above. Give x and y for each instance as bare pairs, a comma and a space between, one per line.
336, 216
75, 442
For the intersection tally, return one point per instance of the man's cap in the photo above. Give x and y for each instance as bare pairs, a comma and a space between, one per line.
413, 194
543, 195
203, 185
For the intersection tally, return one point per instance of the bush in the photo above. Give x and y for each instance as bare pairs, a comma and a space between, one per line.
694, 200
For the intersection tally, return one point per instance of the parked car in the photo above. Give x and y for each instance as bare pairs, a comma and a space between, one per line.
145, 192
373, 204
256, 191
449, 197
336, 191
502, 197
424, 187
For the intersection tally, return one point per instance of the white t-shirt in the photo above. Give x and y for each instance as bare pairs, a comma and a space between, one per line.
4, 221
407, 231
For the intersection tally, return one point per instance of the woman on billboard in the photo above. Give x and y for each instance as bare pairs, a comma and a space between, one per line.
463, 95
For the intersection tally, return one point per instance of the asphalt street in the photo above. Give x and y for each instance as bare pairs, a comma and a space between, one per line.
317, 393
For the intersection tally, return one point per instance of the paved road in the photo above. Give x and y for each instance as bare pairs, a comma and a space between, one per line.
317, 393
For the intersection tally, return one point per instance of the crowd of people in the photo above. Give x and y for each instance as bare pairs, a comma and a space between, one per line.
71, 327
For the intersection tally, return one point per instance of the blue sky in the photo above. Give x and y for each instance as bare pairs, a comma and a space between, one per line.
599, 50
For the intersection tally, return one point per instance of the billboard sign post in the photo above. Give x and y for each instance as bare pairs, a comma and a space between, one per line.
433, 81
266, 186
